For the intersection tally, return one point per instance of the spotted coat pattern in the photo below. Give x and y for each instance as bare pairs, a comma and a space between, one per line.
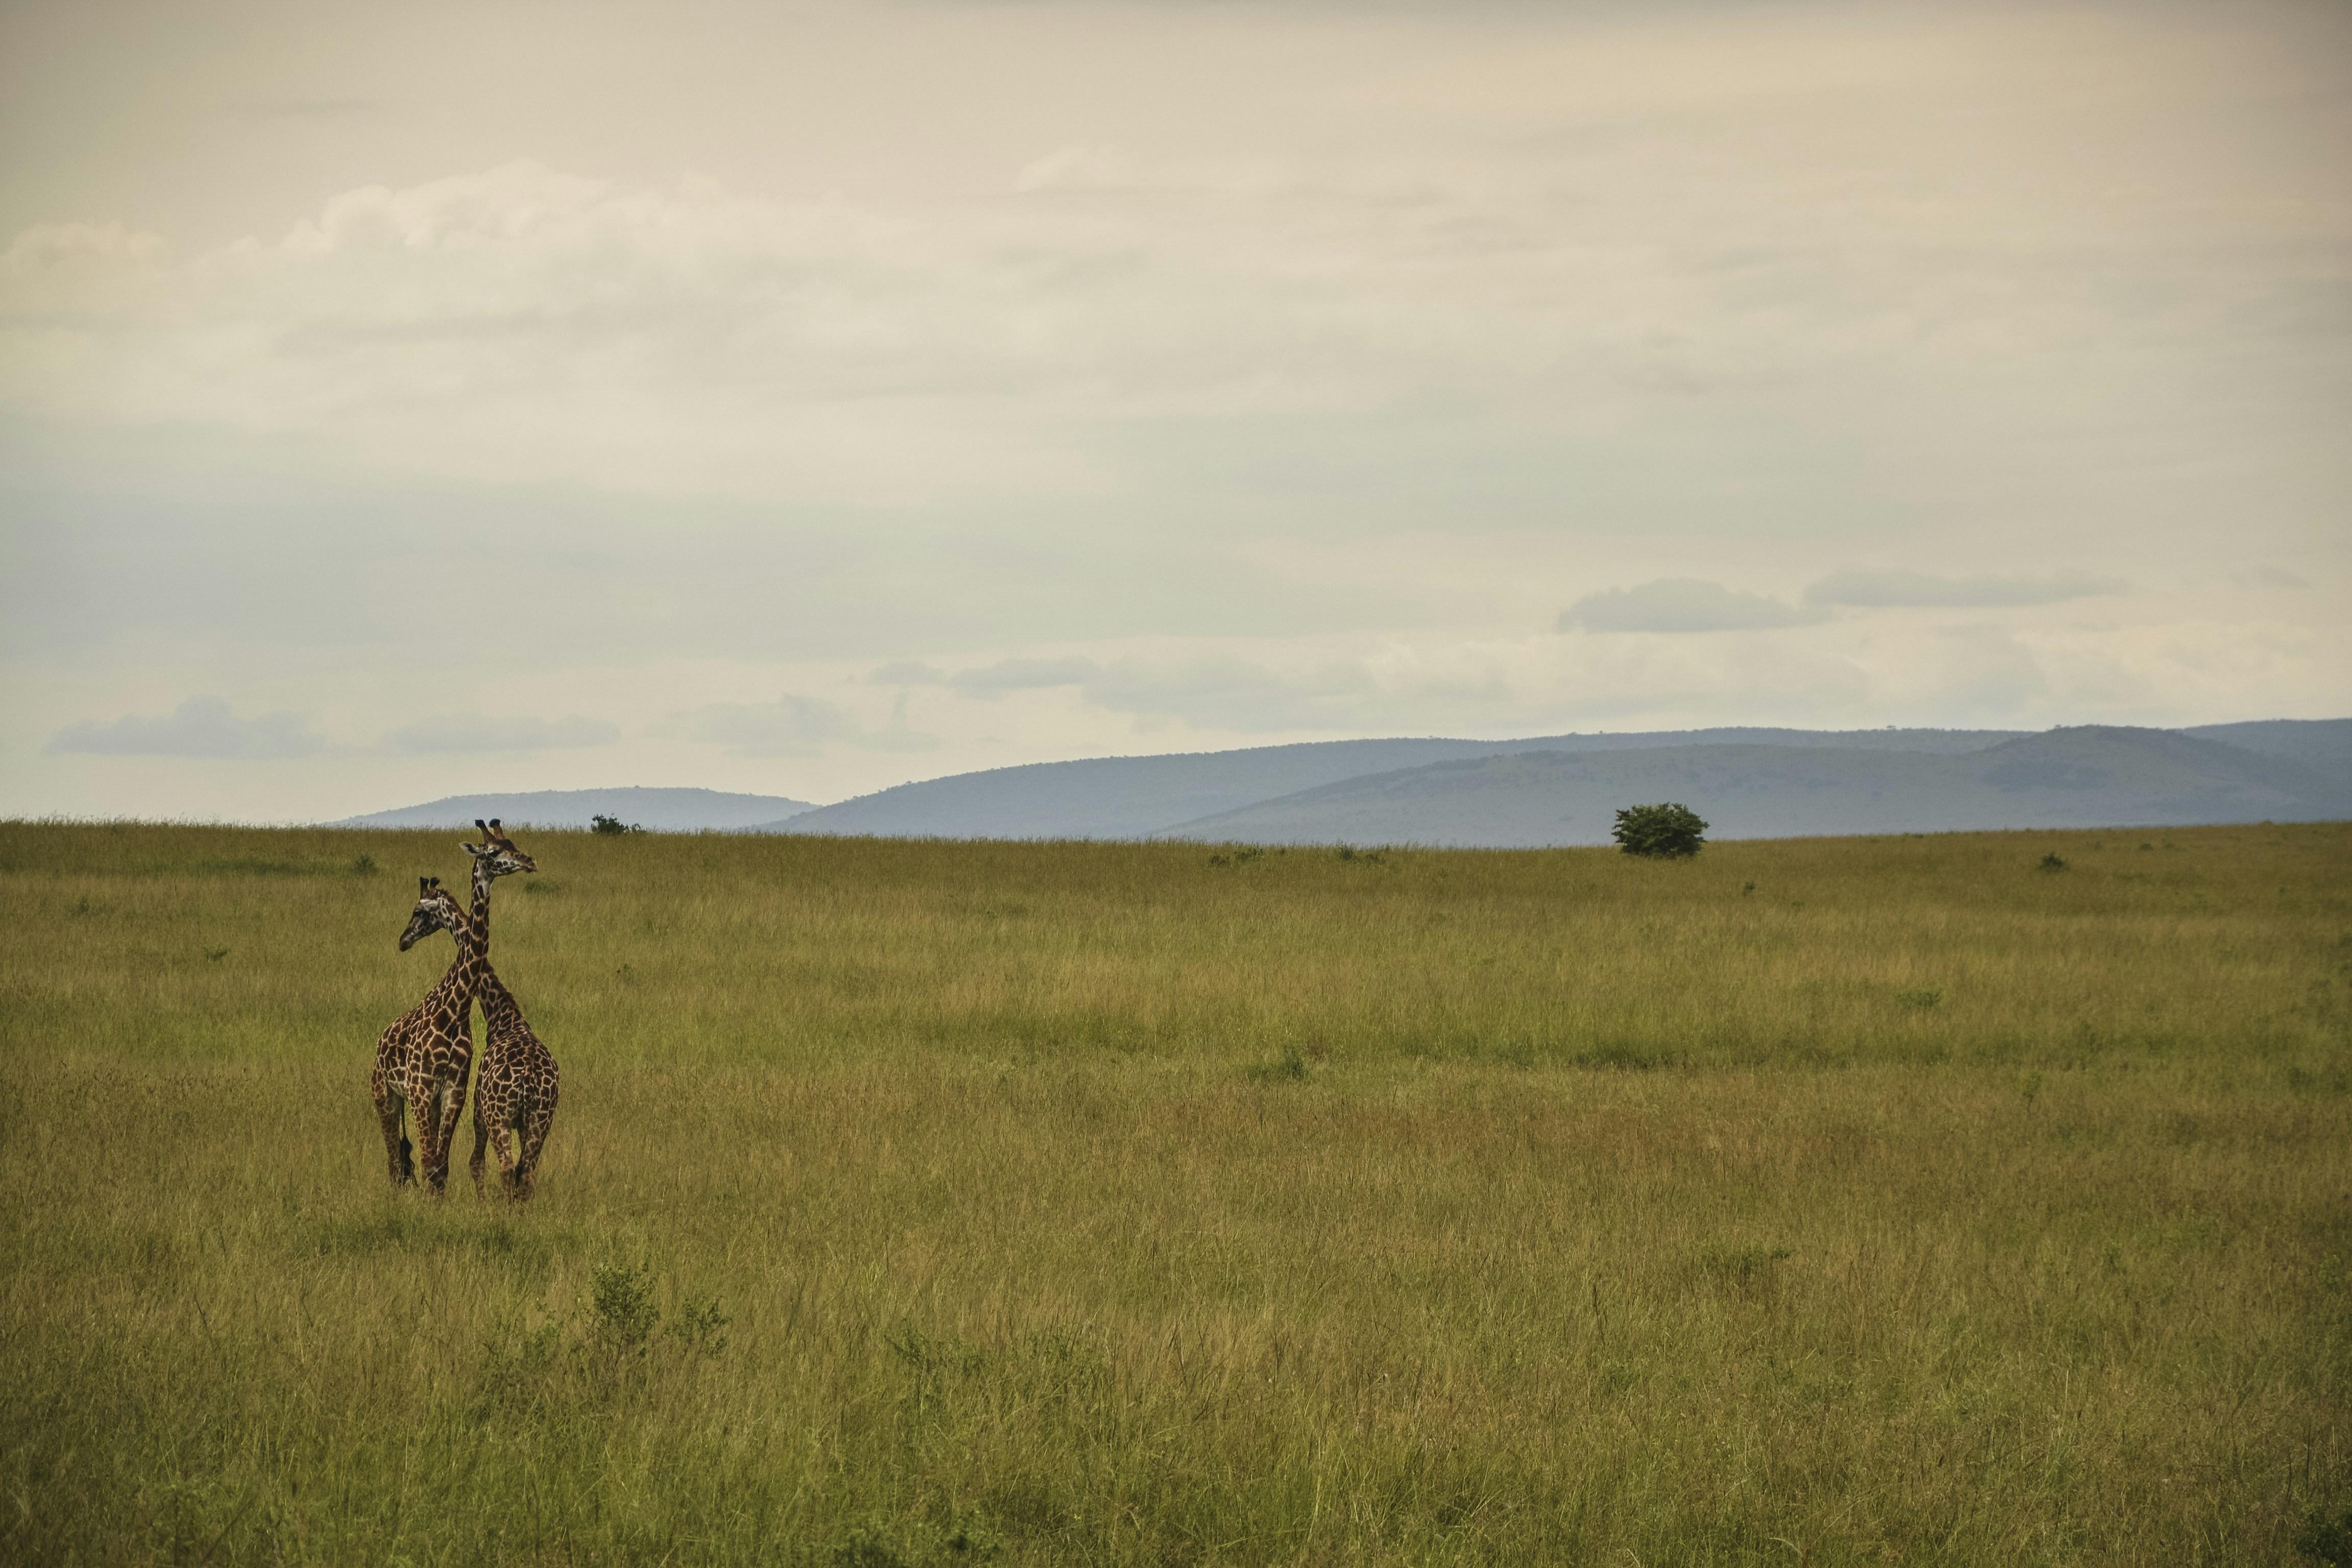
514, 1091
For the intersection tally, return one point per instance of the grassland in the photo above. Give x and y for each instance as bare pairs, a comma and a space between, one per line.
1834, 1202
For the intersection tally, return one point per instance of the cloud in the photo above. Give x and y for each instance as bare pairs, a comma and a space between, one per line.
200, 727
1025, 674
459, 732
790, 726
1078, 167
1889, 590
1238, 694
2271, 577
1681, 605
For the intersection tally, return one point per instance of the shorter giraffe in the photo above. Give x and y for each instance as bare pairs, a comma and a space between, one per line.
422, 1058
516, 1086
415, 1056
514, 1091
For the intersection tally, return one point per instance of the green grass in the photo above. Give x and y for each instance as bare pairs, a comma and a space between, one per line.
1885, 1200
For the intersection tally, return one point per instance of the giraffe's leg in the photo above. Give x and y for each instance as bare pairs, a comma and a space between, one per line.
502, 1140
534, 1139
481, 1140
452, 1119
395, 1142
433, 1126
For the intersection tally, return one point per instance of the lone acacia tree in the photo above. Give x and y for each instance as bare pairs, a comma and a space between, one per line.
1668, 831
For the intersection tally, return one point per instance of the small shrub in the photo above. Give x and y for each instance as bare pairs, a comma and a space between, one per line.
1350, 852
626, 1314
215, 953
1741, 1266
362, 865
517, 1370
2051, 862
1923, 998
2326, 1539
864, 1549
700, 1326
610, 826
1665, 831
1624, 1058
1288, 1068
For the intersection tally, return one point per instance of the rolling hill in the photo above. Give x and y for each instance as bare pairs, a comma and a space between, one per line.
2091, 776
1134, 797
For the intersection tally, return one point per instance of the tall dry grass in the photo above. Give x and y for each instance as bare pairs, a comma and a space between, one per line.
1847, 1201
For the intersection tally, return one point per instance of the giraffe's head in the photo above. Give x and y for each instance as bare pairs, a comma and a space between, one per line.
436, 910
497, 852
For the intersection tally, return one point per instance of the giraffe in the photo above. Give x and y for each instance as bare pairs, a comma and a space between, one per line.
422, 1059
514, 1091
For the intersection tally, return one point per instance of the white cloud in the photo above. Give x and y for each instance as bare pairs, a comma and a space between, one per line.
1884, 590
468, 732
1681, 604
200, 727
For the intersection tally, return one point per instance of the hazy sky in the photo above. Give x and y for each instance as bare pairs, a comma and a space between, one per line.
399, 400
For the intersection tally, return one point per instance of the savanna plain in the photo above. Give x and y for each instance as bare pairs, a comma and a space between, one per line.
1844, 1201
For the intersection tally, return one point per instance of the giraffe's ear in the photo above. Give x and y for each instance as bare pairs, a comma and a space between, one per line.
476, 850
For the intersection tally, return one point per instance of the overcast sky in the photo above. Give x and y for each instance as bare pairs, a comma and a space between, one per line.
399, 400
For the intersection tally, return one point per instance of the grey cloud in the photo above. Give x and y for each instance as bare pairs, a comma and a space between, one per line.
2272, 577
790, 726
1888, 590
908, 673
1025, 674
1230, 694
460, 732
200, 727
1681, 605
1234, 694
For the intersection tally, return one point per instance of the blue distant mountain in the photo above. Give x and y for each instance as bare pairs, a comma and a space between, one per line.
1552, 789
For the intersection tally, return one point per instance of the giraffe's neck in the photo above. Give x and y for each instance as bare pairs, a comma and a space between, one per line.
473, 937
477, 919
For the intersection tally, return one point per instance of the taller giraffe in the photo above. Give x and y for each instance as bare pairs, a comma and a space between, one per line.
422, 1059
515, 1089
